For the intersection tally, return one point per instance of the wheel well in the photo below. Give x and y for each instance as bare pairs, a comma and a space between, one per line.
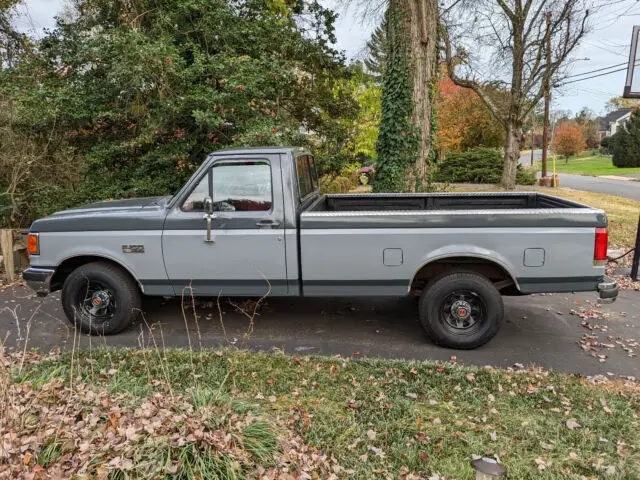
495, 272
70, 264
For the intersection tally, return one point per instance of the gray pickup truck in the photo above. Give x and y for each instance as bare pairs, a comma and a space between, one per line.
252, 222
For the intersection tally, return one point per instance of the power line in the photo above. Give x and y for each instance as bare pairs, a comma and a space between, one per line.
598, 70
589, 78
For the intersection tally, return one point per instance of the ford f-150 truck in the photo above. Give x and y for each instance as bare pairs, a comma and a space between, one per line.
252, 222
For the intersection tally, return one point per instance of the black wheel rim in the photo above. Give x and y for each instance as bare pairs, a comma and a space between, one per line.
96, 301
463, 312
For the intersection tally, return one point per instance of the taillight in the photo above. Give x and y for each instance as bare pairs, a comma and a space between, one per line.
600, 249
33, 244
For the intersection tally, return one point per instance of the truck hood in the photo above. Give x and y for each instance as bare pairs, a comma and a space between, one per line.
131, 214
126, 204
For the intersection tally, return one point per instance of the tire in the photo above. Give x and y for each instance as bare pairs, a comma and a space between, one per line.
100, 299
462, 310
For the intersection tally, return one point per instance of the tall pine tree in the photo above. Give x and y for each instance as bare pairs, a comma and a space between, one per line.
377, 49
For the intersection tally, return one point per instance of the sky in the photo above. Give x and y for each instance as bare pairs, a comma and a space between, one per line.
606, 44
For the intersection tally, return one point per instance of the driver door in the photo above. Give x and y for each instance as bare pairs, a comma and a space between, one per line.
245, 254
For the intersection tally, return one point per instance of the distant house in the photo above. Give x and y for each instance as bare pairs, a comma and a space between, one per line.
610, 124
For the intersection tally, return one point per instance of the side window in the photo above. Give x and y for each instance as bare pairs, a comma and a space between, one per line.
313, 172
304, 178
237, 187
307, 175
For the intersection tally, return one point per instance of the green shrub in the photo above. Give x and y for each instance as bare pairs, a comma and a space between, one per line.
346, 183
325, 181
478, 165
337, 184
526, 176
334, 187
350, 171
625, 144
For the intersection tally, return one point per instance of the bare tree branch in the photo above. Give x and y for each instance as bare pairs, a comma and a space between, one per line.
466, 83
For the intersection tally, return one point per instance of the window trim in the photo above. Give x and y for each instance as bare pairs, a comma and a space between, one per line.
209, 172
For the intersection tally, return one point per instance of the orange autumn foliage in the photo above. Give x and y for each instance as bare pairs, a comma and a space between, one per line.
568, 139
464, 121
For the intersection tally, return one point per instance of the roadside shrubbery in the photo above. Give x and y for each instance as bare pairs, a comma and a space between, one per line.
478, 165
625, 144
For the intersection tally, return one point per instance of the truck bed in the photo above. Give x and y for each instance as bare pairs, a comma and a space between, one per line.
439, 201
475, 209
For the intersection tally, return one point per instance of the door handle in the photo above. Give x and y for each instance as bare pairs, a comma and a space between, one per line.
208, 217
268, 223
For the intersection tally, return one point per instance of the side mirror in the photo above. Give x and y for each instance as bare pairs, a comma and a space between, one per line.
208, 205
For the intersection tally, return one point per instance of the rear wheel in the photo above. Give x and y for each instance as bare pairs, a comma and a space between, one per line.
100, 299
461, 310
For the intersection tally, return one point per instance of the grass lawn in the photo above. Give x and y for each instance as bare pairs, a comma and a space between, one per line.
594, 165
621, 212
231, 414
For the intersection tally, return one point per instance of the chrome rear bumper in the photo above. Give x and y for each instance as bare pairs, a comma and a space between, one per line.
39, 279
608, 290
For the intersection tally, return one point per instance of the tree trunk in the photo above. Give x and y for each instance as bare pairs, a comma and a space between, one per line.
423, 30
511, 155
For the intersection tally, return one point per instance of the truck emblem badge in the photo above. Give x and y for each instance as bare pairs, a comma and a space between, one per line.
133, 248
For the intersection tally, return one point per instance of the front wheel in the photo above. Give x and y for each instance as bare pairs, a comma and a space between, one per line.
100, 299
461, 310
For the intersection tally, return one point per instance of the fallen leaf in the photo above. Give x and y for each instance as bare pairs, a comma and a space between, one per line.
572, 424
273, 399
371, 435
491, 398
622, 449
411, 395
542, 463
377, 451
436, 421
424, 456
493, 436
471, 377
606, 409
26, 459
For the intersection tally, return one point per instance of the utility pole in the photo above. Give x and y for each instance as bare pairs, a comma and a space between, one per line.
533, 134
547, 97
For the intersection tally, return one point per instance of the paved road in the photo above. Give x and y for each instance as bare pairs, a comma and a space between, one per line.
538, 330
620, 188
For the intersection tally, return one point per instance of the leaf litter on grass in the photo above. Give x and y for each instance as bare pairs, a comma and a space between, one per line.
332, 418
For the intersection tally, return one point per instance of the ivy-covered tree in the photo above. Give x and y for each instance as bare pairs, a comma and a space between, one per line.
140, 92
407, 126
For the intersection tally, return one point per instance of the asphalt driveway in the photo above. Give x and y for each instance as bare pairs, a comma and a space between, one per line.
539, 329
